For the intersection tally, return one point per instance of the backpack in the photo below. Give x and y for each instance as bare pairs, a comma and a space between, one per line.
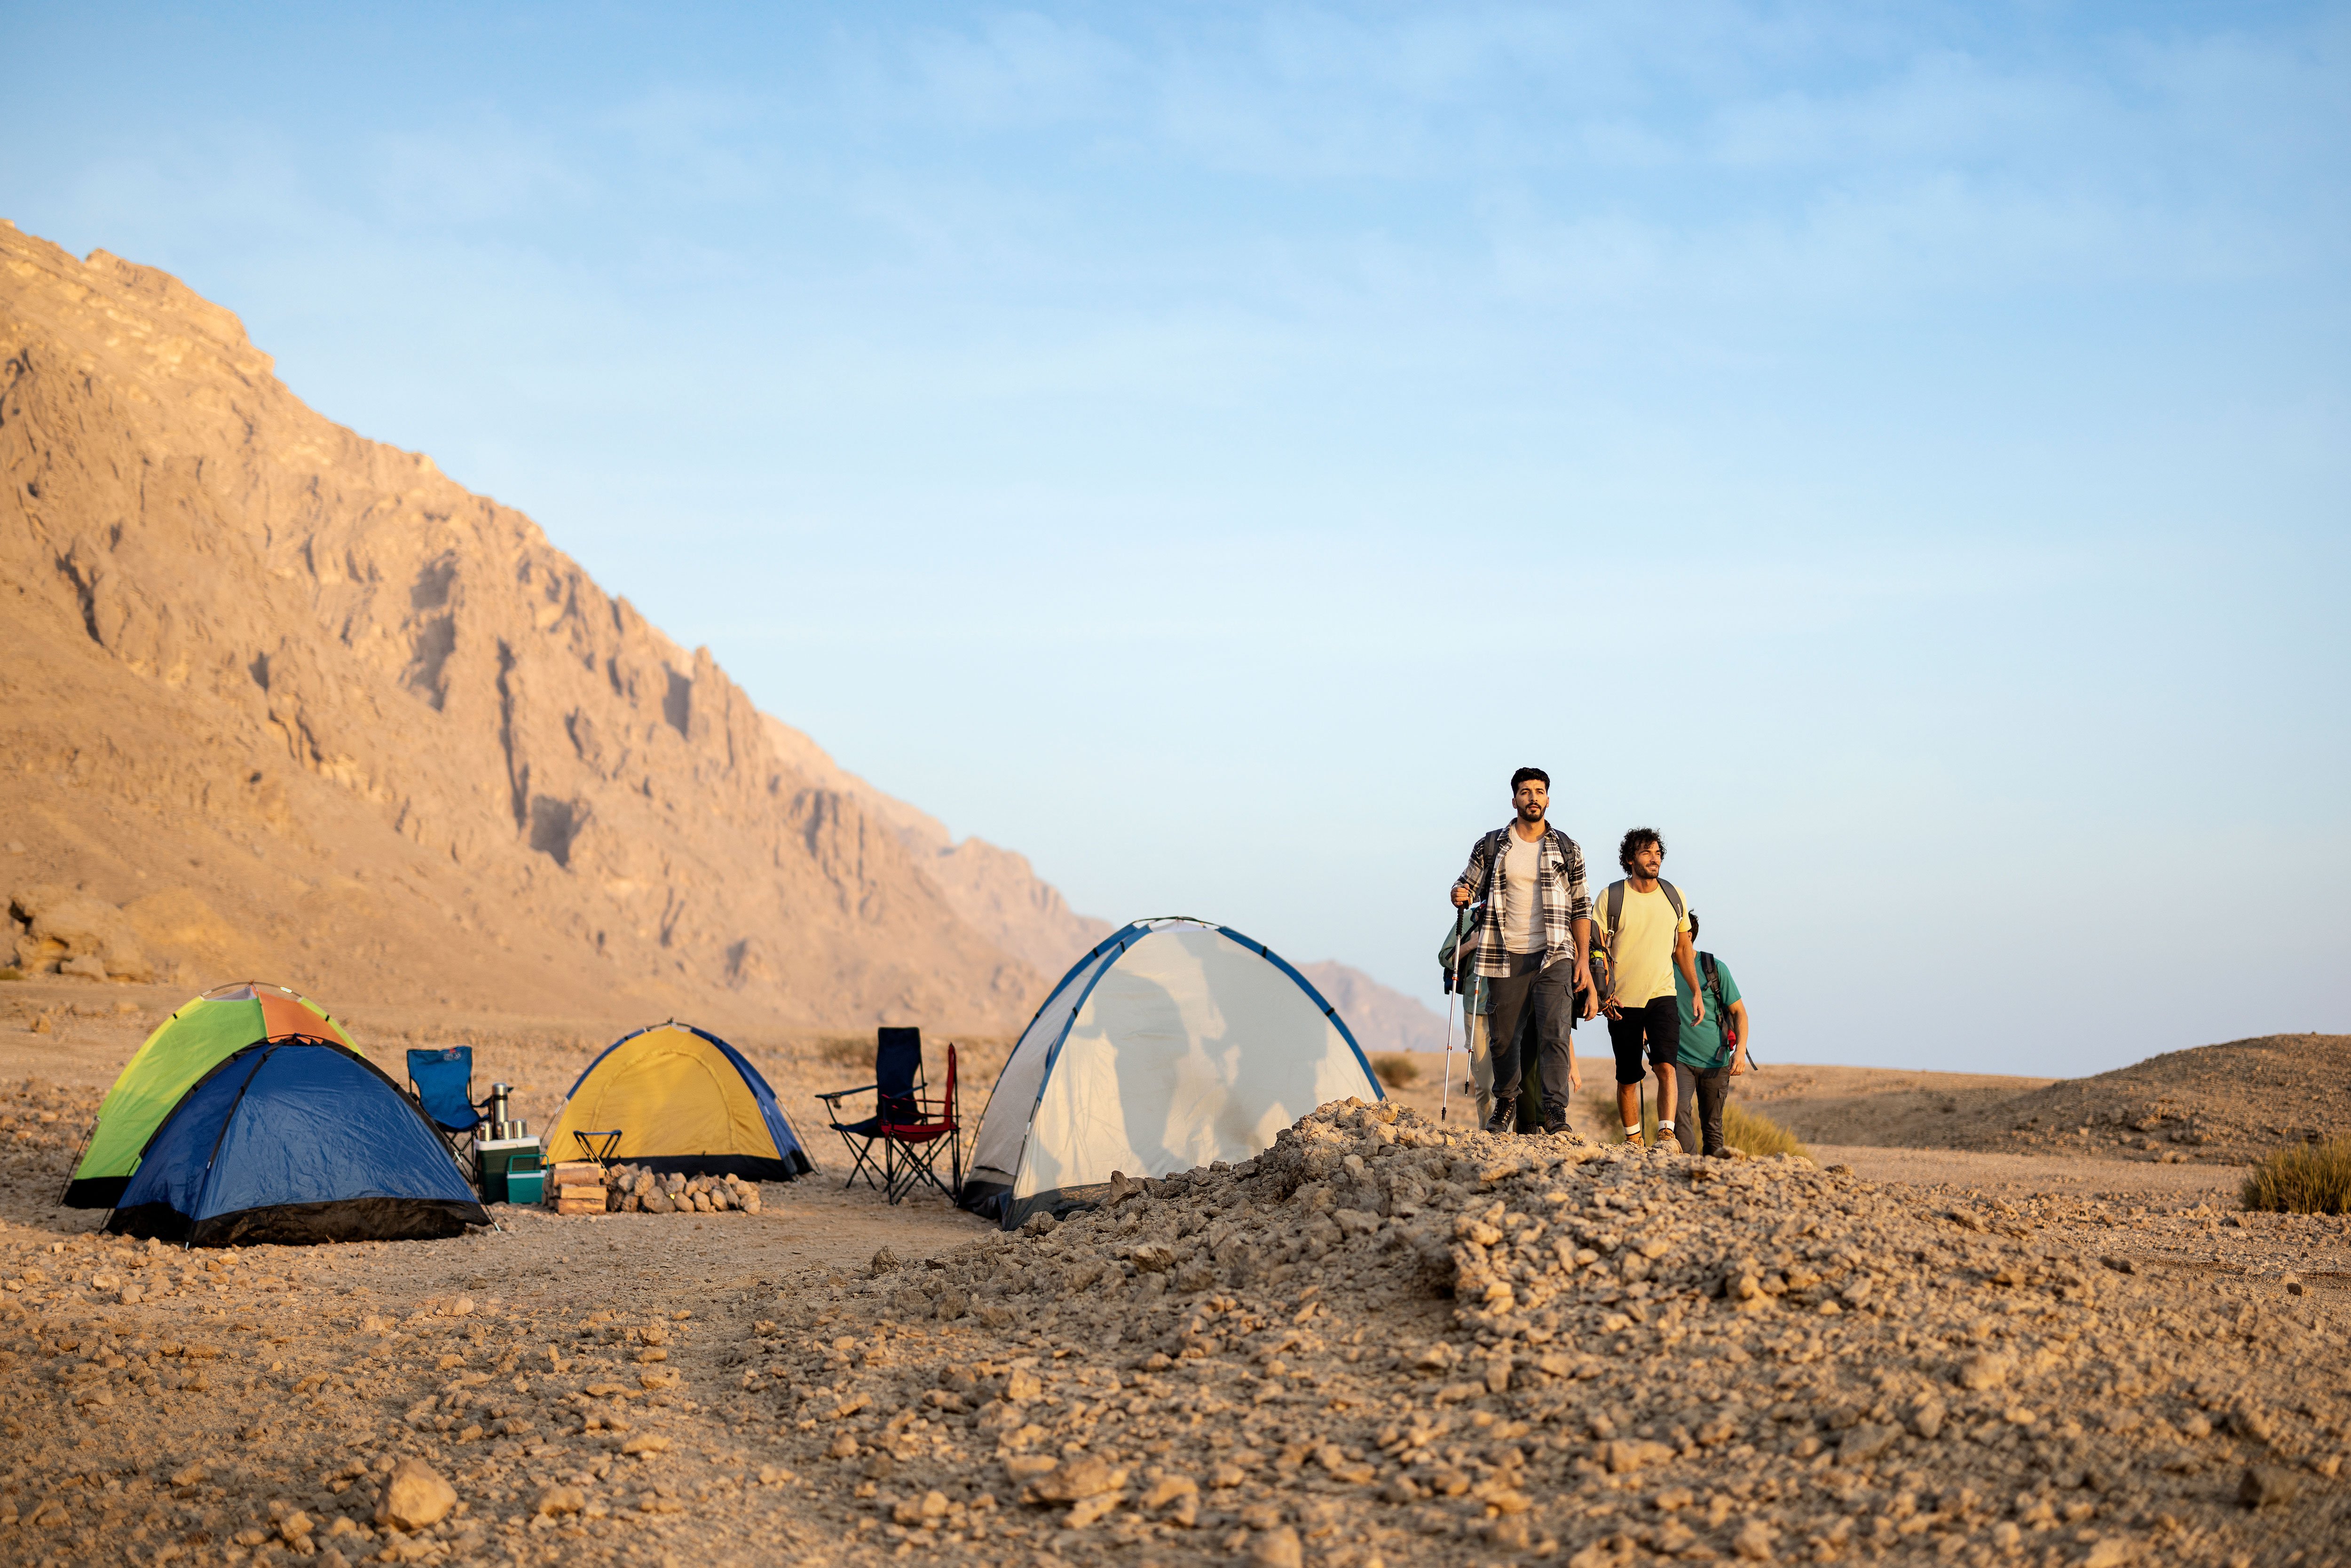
1603, 979
1711, 981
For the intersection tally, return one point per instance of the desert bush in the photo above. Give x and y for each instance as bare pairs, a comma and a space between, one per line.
1744, 1129
847, 1050
1396, 1068
12, 973
2307, 1178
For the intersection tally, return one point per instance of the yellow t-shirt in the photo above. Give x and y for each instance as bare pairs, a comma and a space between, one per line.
1642, 954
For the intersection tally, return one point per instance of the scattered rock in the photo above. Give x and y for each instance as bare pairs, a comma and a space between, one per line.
414, 1496
1276, 1548
2263, 1484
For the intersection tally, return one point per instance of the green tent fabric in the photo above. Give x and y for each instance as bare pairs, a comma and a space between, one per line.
199, 1037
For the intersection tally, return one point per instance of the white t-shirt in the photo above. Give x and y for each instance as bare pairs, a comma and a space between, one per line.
1521, 899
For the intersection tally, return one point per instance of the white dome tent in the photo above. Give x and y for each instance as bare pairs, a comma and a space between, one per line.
1174, 1044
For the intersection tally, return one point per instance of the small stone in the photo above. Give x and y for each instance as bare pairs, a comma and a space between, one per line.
1152, 1257
2120, 1265
294, 1526
1864, 1441
1753, 1542
2263, 1484
1927, 1417
414, 1496
1277, 1548
556, 1501
1167, 1489
646, 1443
1024, 1468
1625, 1456
1076, 1480
884, 1261
1984, 1371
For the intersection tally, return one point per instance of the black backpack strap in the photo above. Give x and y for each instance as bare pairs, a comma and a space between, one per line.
1674, 897
1616, 896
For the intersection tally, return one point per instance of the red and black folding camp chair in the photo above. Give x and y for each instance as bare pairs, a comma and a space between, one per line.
912, 1147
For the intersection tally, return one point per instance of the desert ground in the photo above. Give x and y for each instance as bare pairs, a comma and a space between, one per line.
1386, 1341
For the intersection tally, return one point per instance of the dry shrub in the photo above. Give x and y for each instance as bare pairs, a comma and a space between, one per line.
1396, 1068
1742, 1129
2307, 1178
847, 1050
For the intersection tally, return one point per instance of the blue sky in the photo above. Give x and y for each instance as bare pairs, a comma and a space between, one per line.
1899, 451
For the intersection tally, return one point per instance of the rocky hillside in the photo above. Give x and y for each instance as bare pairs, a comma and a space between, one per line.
2225, 1104
293, 703
1380, 1019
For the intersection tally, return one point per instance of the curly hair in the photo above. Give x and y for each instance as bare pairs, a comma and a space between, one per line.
1524, 774
1636, 840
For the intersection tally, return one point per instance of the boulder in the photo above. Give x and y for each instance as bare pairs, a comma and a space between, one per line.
414, 1496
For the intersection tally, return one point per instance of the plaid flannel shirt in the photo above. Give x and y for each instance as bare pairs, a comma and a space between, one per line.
1559, 872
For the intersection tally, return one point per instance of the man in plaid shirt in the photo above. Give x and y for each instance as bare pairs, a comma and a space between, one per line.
1533, 944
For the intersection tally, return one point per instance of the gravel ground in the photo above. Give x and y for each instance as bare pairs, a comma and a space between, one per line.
1302, 1362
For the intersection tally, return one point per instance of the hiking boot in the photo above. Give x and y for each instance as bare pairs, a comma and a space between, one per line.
1555, 1129
1503, 1121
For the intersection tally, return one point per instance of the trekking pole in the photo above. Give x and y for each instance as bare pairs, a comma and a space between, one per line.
1445, 1095
1444, 1099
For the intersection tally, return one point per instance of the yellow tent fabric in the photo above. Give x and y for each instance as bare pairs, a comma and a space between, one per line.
681, 1100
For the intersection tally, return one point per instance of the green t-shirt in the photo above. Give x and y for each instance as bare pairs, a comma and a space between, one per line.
1702, 1049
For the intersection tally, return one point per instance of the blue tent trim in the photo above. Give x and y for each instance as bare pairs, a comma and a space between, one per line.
793, 1159
295, 1141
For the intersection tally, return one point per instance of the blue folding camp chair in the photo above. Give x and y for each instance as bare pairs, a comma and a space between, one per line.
896, 1089
443, 1080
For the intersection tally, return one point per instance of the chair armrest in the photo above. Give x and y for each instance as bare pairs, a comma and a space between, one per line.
836, 1094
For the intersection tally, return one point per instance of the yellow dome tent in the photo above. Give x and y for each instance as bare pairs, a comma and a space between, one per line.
681, 1100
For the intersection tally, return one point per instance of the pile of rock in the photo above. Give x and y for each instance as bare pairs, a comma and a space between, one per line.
635, 1190
1382, 1341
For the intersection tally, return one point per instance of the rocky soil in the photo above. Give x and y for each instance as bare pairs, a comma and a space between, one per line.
1377, 1342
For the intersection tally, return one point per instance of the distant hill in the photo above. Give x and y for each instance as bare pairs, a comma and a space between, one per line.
1380, 1018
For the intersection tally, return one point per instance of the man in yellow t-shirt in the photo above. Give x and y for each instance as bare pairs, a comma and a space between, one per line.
1642, 925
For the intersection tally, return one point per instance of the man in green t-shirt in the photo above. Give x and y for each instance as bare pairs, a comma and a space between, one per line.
1705, 1064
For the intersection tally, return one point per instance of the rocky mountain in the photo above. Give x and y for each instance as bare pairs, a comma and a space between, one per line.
1380, 1018
293, 703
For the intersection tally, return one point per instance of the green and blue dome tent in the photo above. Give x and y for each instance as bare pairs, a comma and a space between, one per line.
201, 1033
295, 1141
1174, 1044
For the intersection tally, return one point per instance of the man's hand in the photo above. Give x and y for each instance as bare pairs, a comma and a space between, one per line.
1738, 1061
1574, 1077
1460, 898
1590, 994
1698, 1009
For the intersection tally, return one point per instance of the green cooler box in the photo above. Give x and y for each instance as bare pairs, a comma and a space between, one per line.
510, 1169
